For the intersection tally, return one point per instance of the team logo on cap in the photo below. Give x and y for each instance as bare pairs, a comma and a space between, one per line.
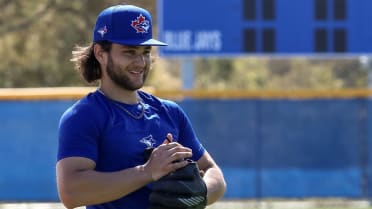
102, 31
141, 24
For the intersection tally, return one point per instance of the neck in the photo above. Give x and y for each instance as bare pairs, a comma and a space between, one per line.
120, 95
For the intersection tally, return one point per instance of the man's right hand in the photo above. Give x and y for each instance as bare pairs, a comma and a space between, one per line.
167, 158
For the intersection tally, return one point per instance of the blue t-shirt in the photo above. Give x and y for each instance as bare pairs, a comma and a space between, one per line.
97, 128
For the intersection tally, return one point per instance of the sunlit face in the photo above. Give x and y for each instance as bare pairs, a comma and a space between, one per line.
128, 66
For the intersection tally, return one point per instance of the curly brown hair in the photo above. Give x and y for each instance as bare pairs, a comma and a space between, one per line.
86, 63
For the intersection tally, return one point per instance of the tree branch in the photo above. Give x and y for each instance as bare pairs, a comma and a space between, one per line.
85, 18
4, 4
27, 22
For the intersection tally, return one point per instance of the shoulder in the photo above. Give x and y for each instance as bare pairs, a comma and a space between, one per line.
159, 102
89, 108
168, 107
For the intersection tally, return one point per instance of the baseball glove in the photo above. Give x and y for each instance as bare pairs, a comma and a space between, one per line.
181, 189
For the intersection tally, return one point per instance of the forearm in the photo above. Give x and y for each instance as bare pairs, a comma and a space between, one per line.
90, 187
216, 184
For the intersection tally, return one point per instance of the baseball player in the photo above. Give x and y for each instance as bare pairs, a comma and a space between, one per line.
123, 148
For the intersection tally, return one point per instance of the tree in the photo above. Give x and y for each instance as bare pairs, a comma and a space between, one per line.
36, 39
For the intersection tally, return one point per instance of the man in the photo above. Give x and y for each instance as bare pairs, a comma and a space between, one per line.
102, 138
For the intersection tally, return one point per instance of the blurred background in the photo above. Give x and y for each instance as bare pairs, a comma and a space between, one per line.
37, 38
278, 91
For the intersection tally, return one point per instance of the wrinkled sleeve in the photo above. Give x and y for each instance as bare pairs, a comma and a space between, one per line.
78, 133
187, 135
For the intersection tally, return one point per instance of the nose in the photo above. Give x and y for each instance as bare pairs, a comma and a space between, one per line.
140, 60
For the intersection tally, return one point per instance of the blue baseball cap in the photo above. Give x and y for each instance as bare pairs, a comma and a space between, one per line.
126, 25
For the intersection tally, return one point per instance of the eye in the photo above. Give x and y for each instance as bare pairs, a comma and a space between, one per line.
147, 53
129, 52
147, 50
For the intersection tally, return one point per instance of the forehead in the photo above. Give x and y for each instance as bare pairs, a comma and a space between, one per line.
123, 47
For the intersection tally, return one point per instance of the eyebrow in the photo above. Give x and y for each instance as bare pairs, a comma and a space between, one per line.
133, 47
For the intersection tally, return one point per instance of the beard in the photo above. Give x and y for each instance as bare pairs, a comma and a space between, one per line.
118, 76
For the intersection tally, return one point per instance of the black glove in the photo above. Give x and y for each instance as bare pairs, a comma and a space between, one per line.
181, 189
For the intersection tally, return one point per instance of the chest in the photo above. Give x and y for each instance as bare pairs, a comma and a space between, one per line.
125, 138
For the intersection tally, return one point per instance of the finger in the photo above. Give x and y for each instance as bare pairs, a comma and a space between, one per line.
169, 137
180, 156
172, 145
175, 147
167, 146
176, 165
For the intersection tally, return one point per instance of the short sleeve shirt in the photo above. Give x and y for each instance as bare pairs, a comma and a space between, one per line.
108, 132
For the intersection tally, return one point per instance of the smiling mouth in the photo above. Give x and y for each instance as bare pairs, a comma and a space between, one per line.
136, 72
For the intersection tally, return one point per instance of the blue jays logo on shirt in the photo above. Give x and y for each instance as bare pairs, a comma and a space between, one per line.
141, 24
149, 141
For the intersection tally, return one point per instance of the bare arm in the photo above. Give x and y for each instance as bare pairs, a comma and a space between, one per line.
79, 184
213, 178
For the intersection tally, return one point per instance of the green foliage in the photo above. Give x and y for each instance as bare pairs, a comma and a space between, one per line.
37, 37
291, 73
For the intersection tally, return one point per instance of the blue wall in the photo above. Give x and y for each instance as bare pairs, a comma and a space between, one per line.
28, 147
288, 148
266, 148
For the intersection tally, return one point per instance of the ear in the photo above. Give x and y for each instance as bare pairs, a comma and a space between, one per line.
100, 54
